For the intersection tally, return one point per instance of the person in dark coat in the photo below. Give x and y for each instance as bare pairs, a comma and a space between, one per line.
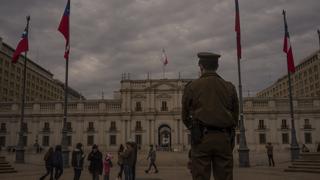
95, 158
77, 161
57, 162
48, 163
152, 158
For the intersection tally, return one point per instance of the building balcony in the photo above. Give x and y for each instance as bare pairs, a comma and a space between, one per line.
262, 127
112, 129
307, 126
90, 129
284, 127
137, 128
45, 129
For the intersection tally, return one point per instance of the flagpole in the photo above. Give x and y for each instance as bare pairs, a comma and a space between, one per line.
294, 147
243, 148
65, 130
20, 146
319, 37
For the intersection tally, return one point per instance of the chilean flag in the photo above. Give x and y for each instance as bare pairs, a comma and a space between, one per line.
23, 46
164, 57
287, 46
64, 29
238, 30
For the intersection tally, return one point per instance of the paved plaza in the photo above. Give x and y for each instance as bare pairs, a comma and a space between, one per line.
172, 165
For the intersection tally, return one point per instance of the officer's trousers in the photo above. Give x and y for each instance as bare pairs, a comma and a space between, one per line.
213, 153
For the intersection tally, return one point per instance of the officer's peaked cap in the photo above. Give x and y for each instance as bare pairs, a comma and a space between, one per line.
208, 56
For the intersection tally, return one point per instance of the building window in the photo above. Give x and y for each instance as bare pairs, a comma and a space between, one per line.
138, 126
284, 124
45, 140
285, 138
113, 126
307, 138
25, 127
113, 140
90, 140
3, 127
69, 126
46, 126
307, 124
164, 106
2, 141
138, 139
69, 140
90, 126
25, 140
262, 138
138, 106
261, 124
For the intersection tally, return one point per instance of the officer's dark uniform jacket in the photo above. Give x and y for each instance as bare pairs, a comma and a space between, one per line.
212, 100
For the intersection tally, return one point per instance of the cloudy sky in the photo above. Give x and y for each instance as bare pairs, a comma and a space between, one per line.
111, 37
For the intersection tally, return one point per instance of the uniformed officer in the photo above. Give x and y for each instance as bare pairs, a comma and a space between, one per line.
213, 102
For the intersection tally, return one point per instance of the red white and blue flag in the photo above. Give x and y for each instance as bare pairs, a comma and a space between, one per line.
287, 48
64, 28
164, 57
238, 30
23, 46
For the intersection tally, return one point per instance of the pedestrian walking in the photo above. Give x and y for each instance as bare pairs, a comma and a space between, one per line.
152, 160
210, 110
57, 162
269, 148
48, 163
95, 158
128, 161
107, 165
120, 161
77, 161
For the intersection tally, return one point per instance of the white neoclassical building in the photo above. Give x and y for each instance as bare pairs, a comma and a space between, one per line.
149, 111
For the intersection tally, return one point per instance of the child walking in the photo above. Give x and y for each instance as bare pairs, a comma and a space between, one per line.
107, 165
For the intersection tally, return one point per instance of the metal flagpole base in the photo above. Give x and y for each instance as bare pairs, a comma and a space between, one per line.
244, 157
295, 151
20, 155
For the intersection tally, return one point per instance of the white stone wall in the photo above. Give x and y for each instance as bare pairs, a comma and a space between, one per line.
150, 93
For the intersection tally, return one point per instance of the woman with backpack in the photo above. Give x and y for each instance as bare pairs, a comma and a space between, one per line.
57, 162
48, 163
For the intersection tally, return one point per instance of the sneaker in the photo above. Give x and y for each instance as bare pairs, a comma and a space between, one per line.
146, 171
156, 171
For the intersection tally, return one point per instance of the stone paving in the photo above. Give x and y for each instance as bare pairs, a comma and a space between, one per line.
171, 167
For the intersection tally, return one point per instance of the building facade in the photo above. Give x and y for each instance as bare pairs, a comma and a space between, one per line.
149, 111
40, 84
305, 81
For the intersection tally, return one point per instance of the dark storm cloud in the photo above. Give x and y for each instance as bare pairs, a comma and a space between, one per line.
109, 37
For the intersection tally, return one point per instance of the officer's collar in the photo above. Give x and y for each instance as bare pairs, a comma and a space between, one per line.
209, 73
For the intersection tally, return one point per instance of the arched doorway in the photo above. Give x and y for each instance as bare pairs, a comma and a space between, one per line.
164, 137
